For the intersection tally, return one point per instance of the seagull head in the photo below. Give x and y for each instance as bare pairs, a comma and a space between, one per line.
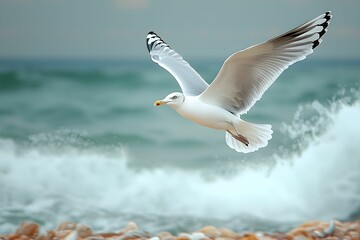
173, 100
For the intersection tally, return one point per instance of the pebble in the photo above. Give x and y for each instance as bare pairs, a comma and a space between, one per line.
109, 235
135, 234
198, 236
129, 227
166, 236
227, 233
183, 236
210, 231
84, 231
29, 229
62, 234
73, 235
66, 226
249, 236
94, 238
154, 238
314, 230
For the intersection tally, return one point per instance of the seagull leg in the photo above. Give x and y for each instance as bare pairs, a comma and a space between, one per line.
240, 138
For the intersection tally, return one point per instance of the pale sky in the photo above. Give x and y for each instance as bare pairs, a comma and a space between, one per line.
195, 29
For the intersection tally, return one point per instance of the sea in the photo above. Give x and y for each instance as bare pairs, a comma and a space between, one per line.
81, 141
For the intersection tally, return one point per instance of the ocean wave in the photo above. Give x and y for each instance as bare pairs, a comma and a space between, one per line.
94, 77
11, 80
64, 177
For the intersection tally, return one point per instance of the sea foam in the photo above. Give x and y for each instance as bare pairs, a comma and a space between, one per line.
56, 181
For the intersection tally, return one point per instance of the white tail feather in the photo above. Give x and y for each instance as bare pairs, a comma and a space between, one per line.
258, 136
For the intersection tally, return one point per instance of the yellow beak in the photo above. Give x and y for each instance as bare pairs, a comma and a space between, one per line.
159, 103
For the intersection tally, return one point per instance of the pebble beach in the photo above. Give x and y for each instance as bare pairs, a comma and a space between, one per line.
75, 231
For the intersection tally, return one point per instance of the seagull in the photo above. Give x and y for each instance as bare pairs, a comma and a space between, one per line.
241, 81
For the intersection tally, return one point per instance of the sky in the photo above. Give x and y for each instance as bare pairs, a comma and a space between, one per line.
195, 29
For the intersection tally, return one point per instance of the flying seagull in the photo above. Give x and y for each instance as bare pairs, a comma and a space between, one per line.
241, 81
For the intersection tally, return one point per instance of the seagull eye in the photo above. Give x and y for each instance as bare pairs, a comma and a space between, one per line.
174, 97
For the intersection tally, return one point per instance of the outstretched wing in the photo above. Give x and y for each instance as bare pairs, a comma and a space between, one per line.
246, 75
191, 83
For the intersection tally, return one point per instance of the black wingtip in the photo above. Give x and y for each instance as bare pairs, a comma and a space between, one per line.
328, 15
151, 45
147, 40
316, 43
325, 24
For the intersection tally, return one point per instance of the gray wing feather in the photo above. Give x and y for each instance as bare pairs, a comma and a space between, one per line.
191, 83
246, 75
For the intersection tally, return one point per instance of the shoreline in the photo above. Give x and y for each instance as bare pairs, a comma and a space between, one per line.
76, 231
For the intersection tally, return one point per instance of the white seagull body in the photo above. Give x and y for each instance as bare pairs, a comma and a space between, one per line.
241, 81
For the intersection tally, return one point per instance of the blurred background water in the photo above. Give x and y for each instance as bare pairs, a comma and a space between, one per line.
81, 141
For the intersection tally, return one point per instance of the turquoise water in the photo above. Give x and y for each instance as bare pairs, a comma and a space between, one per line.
81, 141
